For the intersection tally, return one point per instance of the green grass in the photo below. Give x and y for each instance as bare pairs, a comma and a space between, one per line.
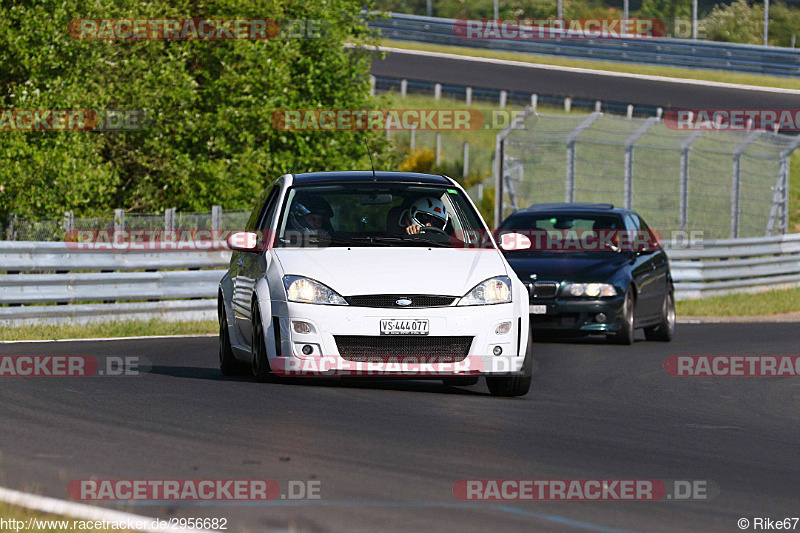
764, 303
107, 329
651, 70
12, 512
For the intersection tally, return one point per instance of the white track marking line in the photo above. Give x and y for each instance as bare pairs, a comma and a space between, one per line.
578, 70
86, 512
116, 338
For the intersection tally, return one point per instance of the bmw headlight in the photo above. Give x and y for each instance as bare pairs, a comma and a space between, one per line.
300, 289
591, 290
492, 291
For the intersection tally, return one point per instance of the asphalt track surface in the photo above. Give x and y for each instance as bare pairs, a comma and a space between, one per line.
549, 81
388, 453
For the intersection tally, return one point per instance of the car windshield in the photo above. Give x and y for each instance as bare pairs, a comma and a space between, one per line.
559, 233
376, 214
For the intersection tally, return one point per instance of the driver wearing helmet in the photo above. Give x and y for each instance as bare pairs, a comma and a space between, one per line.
311, 215
426, 212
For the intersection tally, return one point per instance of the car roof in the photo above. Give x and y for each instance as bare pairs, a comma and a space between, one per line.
575, 207
367, 175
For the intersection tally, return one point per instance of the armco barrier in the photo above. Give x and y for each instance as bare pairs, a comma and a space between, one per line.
716, 267
182, 285
674, 52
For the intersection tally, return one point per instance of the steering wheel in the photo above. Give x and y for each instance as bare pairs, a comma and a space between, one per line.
425, 229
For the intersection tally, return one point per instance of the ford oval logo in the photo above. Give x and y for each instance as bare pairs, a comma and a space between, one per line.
404, 302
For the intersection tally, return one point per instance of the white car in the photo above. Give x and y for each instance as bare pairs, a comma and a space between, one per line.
384, 274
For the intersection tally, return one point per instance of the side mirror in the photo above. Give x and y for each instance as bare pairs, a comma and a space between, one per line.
243, 241
510, 242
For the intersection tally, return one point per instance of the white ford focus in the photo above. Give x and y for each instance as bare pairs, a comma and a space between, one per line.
383, 274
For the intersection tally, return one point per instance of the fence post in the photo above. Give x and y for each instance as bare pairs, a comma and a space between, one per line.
437, 91
503, 98
629, 144
569, 185
466, 160
780, 200
12, 227
216, 219
736, 184
403, 87
534, 101
371, 85
69, 222
412, 143
598, 105
567, 104
630, 110
684, 185
469, 96
169, 219
499, 157
119, 220
438, 147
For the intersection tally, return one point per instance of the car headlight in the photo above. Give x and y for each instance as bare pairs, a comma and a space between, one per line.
300, 289
592, 290
492, 291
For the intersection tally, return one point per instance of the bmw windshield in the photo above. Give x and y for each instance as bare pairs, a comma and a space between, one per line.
376, 214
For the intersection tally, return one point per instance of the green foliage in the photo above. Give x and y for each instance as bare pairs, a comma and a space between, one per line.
738, 22
210, 138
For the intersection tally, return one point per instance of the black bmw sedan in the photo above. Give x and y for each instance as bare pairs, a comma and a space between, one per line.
591, 269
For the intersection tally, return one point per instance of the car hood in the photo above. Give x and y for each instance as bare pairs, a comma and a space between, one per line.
569, 267
394, 270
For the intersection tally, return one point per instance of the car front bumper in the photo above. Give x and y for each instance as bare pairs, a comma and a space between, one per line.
327, 322
578, 315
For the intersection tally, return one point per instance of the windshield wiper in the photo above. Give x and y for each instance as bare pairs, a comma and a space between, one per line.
412, 240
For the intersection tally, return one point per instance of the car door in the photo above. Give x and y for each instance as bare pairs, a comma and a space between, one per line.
250, 266
660, 265
643, 270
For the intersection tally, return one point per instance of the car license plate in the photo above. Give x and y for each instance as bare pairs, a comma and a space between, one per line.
404, 326
539, 309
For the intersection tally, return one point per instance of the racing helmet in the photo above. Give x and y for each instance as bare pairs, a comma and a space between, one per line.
428, 210
309, 204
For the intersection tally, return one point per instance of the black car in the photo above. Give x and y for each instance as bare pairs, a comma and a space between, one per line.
591, 269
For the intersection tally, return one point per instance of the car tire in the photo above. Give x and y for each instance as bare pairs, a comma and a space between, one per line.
459, 381
626, 332
514, 385
665, 329
259, 364
227, 362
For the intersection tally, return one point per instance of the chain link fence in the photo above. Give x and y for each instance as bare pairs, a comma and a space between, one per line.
723, 183
21, 229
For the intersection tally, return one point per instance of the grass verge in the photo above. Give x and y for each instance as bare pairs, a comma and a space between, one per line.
649, 70
41, 522
763, 303
107, 329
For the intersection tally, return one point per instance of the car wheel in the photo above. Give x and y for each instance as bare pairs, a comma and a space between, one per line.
458, 381
227, 362
626, 331
260, 363
666, 328
514, 385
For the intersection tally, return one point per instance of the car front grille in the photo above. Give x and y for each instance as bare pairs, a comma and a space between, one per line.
381, 348
542, 289
390, 300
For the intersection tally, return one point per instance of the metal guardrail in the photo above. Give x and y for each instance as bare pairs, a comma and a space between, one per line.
717, 267
674, 52
177, 288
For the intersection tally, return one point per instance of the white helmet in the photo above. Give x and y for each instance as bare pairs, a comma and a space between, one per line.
428, 211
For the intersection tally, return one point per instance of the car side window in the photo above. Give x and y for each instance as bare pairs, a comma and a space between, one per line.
254, 222
270, 208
